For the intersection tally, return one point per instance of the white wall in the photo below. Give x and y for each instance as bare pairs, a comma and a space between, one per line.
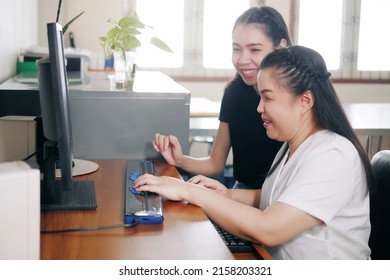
47, 12
88, 27
18, 30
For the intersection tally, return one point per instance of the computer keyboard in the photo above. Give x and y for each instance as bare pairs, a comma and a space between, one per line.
145, 207
234, 243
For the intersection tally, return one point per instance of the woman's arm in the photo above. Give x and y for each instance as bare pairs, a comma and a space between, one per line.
248, 197
277, 224
211, 165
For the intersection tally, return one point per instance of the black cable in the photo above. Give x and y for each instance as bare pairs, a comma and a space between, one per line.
30, 156
38, 151
90, 228
33, 154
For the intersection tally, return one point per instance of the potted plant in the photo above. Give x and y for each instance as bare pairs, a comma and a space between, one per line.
121, 42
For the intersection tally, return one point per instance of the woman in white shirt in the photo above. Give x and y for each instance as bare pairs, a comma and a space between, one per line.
314, 203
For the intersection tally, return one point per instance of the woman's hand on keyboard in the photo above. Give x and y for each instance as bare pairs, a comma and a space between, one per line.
175, 189
210, 184
168, 187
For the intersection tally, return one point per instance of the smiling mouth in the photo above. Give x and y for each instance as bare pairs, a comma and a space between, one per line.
249, 72
266, 123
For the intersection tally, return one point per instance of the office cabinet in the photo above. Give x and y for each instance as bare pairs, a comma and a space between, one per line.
111, 124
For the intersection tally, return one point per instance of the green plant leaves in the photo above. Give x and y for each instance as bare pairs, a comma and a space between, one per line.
123, 36
65, 27
131, 21
160, 44
72, 20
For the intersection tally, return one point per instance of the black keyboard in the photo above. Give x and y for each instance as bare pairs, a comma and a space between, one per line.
234, 243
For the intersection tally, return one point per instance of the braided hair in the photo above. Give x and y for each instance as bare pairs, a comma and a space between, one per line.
300, 69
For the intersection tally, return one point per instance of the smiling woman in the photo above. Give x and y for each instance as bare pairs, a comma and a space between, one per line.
256, 32
316, 194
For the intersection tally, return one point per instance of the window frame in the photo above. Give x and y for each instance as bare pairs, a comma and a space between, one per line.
348, 72
193, 43
193, 46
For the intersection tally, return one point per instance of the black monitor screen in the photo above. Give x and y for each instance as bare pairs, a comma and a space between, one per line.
64, 194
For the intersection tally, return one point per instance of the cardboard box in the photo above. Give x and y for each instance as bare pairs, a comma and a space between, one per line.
17, 137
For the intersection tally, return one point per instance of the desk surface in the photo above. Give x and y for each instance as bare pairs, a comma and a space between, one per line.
369, 118
186, 232
365, 118
96, 82
203, 107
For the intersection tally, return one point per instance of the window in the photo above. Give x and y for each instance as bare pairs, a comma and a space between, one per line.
198, 31
168, 25
374, 43
317, 29
349, 34
218, 21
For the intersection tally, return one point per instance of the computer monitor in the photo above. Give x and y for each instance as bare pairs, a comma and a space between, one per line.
66, 193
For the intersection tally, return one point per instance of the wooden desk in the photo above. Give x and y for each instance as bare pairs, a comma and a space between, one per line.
186, 232
203, 126
203, 107
367, 119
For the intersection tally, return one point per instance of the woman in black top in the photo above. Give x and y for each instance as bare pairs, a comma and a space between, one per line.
253, 151
256, 33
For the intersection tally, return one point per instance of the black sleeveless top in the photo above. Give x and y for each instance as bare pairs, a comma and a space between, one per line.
253, 152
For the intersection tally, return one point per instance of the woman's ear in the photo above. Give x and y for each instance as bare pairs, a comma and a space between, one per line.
307, 100
283, 43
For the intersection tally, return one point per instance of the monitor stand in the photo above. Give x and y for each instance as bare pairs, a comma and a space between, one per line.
54, 197
81, 167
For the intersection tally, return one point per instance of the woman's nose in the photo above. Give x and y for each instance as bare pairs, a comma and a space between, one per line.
260, 107
244, 58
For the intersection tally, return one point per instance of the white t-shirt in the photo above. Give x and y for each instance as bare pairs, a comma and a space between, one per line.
325, 178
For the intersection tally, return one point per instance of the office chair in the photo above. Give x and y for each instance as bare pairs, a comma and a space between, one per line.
380, 207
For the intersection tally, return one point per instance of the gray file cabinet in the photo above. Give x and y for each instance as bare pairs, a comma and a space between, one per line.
111, 124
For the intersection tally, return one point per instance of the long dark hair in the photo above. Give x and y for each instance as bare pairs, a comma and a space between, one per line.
300, 69
272, 22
